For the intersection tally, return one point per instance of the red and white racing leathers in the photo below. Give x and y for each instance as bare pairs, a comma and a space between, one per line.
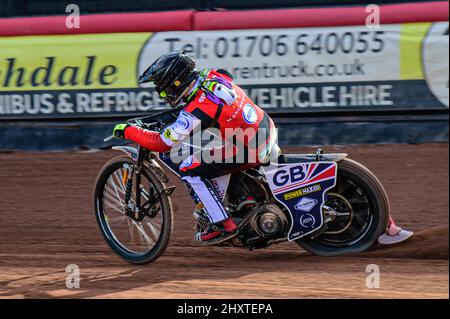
215, 102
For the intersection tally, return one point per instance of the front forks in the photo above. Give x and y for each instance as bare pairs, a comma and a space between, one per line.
138, 210
134, 211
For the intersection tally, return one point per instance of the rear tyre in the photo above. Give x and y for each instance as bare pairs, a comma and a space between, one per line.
136, 242
364, 206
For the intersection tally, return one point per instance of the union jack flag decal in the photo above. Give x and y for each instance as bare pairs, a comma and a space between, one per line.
315, 174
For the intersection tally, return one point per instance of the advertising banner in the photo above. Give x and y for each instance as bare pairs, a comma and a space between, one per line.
393, 67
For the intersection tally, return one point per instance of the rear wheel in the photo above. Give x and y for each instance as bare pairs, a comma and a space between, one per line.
358, 209
138, 241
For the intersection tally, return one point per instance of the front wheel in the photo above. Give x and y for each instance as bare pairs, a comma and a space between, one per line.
138, 241
360, 209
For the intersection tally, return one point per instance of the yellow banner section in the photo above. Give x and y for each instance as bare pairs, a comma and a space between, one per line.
411, 50
70, 62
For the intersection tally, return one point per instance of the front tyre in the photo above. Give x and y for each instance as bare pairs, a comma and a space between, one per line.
136, 241
363, 211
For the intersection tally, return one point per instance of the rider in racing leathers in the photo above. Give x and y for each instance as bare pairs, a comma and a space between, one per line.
212, 101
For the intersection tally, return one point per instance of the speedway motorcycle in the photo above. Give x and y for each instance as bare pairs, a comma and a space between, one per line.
326, 203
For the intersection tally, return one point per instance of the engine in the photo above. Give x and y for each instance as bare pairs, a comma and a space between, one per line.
269, 221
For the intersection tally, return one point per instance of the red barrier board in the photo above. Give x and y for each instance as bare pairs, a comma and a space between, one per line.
225, 20
99, 23
319, 17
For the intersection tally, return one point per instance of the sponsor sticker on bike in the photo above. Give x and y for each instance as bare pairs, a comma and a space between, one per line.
302, 191
308, 184
307, 221
306, 204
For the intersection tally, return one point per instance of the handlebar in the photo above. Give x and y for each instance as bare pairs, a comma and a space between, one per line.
155, 122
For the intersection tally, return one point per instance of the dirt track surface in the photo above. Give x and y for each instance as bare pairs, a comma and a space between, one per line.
47, 223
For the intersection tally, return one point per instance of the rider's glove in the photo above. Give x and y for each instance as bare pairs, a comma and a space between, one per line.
119, 130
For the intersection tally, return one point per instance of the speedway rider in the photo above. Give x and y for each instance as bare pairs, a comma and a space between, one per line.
212, 101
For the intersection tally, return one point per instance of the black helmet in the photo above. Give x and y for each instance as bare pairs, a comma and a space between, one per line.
172, 73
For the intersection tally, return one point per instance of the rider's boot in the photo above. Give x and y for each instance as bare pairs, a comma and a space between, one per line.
394, 234
221, 226
217, 233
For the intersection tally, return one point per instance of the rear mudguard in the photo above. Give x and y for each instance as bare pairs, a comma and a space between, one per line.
300, 183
